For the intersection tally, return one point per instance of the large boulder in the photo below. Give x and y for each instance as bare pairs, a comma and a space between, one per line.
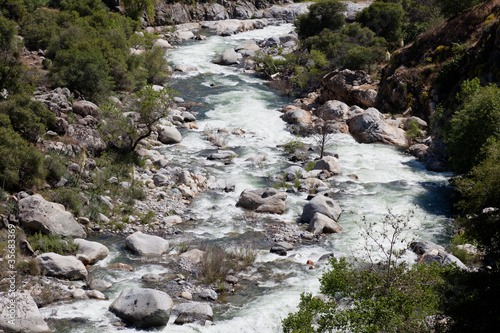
228, 57
143, 307
430, 252
295, 115
93, 250
369, 127
146, 245
193, 313
333, 110
169, 135
267, 200
66, 267
215, 12
323, 205
323, 224
40, 215
330, 164
247, 48
85, 108
22, 316
162, 44
87, 137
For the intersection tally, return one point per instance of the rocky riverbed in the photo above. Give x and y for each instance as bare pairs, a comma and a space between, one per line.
217, 178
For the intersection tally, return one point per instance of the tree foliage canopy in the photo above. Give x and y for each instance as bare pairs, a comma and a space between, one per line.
325, 14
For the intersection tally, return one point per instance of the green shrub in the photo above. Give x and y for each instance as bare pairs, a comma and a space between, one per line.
8, 32
473, 125
292, 145
29, 118
52, 243
70, 198
21, 164
359, 57
384, 18
324, 14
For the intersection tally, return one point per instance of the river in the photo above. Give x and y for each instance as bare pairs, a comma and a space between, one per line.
233, 99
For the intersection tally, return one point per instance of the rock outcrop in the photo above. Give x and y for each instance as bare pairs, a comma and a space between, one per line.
143, 307
323, 224
352, 87
267, 200
430, 252
40, 215
87, 137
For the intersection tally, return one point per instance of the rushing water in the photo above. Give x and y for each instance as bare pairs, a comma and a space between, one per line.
233, 99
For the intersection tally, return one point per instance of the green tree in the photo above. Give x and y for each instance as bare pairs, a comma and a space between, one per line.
156, 66
454, 7
125, 131
135, 8
383, 296
86, 71
27, 117
472, 125
21, 165
360, 57
325, 14
385, 19
7, 34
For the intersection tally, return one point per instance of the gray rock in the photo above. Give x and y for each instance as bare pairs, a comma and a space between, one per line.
285, 245
430, 252
370, 127
146, 245
87, 137
169, 135
228, 57
322, 224
66, 267
222, 155
266, 200
188, 116
184, 68
161, 179
323, 205
85, 108
143, 307
38, 214
193, 313
162, 44
96, 294
98, 284
24, 317
328, 163
333, 110
295, 115
247, 48
93, 250
195, 255
279, 250
208, 294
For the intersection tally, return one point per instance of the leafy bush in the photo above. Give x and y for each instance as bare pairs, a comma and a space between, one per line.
70, 198
454, 7
292, 145
473, 125
8, 32
27, 117
21, 164
52, 243
324, 14
384, 18
359, 57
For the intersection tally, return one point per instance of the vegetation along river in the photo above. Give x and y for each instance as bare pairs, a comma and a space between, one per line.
229, 98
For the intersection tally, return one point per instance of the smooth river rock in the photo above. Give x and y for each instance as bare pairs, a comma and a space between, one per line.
38, 214
330, 164
93, 250
169, 135
193, 313
66, 267
146, 245
266, 200
143, 307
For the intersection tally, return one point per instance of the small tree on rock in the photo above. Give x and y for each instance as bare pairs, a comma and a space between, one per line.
126, 130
